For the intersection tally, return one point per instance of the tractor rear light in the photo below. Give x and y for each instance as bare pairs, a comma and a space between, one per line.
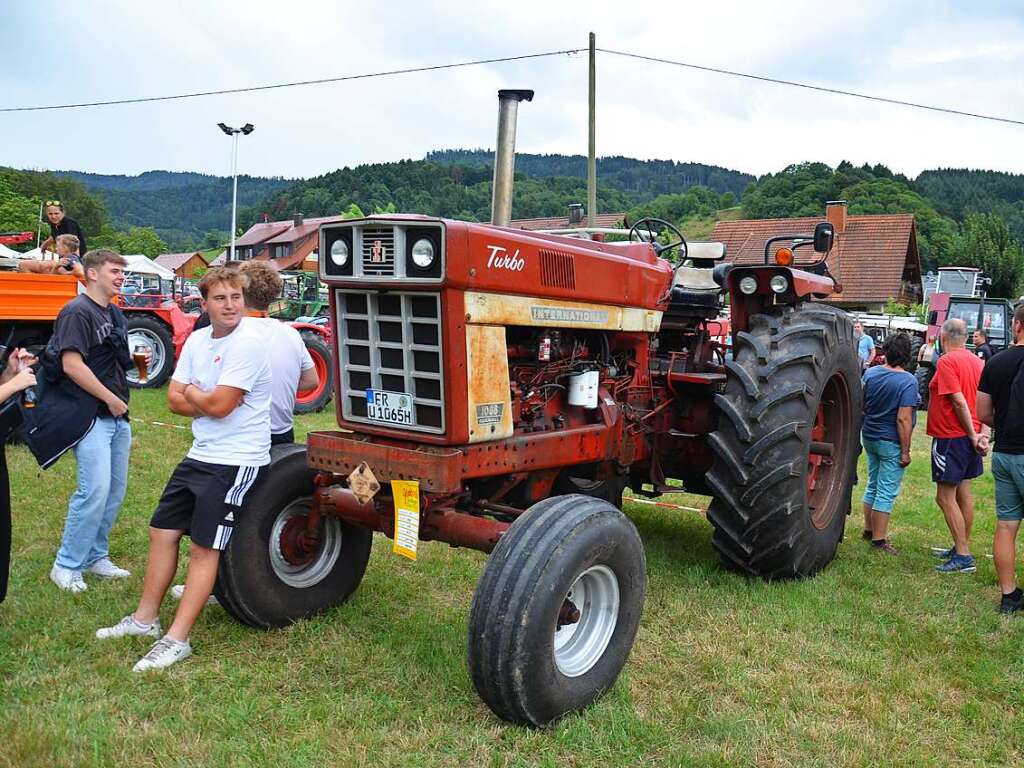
779, 284
748, 285
784, 258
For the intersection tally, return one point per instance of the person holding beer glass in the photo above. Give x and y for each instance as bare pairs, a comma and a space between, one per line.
15, 377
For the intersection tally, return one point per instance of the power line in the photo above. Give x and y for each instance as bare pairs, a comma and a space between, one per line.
320, 81
565, 52
820, 88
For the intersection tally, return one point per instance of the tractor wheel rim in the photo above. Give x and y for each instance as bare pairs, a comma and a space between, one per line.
319, 563
825, 475
579, 646
155, 343
309, 395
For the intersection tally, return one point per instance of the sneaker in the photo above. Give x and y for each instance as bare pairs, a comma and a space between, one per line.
66, 579
106, 569
883, 545
1012, 602
957, 564
943, 554
128, 626
179, 589
165, 651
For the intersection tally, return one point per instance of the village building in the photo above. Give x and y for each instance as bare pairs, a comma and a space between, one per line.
874, 257
188, 265
290, 245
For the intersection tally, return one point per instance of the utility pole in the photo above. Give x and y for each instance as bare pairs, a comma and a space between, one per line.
592, 148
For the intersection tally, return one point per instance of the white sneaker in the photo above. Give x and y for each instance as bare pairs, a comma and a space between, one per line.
129, 626
106, 569
179, 589
66, 579
165, 651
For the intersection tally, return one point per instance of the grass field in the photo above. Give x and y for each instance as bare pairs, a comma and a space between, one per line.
879, 661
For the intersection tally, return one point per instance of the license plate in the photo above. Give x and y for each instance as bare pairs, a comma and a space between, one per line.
389, 407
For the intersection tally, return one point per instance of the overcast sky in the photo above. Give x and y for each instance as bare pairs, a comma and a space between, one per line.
963, 55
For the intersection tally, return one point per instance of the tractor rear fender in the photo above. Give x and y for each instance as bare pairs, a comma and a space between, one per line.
318, 329
799, 285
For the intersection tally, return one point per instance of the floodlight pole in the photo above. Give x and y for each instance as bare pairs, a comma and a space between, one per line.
233, 133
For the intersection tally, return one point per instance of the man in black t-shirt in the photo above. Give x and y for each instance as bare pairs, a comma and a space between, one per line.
90, 340
1001, 405
61, 225
981, 346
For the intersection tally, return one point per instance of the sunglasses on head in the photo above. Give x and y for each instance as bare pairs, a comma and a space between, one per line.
58, 203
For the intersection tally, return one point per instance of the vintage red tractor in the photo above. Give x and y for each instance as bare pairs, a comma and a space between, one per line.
499, 389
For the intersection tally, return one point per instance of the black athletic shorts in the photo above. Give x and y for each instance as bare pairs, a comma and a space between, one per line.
954, 460
202, 499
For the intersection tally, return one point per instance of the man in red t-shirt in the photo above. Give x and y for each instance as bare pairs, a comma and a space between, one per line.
959, 440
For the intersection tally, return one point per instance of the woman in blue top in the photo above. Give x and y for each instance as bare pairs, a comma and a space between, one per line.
890, 411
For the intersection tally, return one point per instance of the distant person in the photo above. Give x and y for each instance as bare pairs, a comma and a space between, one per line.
68, 261
958, 442
91, 343
865, 345
890, 411
1001, 401
15, 377
981, 346
61, 224
223, 382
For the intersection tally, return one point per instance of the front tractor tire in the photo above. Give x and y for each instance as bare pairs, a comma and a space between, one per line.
272, 574
556, 610
785, 450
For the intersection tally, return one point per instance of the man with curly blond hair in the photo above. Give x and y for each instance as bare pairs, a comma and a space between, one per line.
292, 367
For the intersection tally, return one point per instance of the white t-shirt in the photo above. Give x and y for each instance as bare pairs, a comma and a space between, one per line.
288, 359
240, 359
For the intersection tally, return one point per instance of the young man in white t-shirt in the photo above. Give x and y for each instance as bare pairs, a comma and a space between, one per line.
223, 381
291, 365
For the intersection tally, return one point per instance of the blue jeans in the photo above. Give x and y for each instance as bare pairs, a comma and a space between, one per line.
885, 475
102, 457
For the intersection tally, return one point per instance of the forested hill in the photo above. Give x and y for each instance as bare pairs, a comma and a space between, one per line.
181, 207
642, 178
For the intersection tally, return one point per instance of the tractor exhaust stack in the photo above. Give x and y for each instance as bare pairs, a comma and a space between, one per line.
505, 154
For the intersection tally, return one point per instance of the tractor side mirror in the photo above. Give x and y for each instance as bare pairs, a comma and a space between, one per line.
824, 234
933, 317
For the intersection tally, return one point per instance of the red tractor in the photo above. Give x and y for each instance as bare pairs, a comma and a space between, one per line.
499, 389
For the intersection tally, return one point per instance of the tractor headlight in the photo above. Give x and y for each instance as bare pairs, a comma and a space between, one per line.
423, 253
748, 285
779, 284
339, 252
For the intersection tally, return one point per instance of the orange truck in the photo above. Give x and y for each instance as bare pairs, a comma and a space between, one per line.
30, 303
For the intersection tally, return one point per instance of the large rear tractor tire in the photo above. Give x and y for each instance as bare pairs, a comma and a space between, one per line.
556, 610
148, 330
785, 450
923, 374
315, 400
272, 574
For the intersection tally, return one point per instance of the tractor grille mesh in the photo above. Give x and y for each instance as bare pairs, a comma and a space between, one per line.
378, 251
557, 270
392, 342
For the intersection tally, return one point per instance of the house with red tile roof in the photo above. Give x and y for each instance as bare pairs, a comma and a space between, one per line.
874, 257
575, 218
285, 244
182, 264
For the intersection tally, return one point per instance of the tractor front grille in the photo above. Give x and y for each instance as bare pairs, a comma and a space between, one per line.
378, 251
391, 342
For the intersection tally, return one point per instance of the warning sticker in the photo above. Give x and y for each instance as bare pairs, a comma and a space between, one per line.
407, 517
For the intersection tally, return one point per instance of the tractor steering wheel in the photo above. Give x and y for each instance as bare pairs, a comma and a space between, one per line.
648, 229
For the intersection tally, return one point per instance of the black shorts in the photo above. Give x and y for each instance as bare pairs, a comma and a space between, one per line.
954, 460
202, 500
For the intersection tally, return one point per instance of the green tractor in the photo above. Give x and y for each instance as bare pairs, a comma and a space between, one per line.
303, 295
